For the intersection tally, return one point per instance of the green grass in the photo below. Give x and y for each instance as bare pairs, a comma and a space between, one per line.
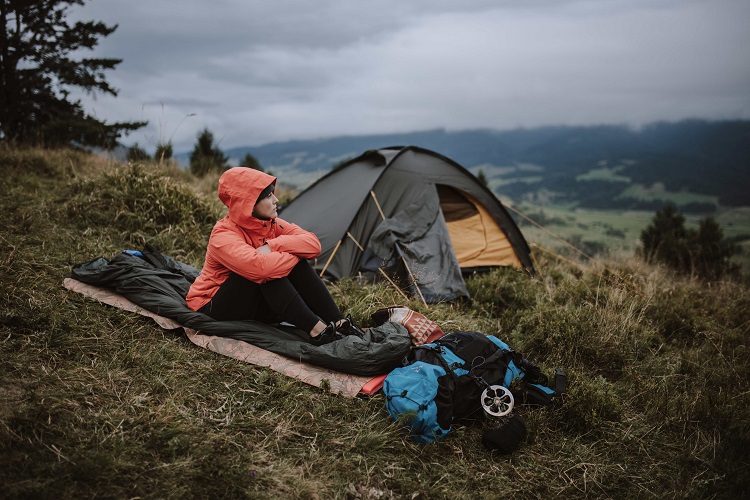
658, 192
604, 174
97, 402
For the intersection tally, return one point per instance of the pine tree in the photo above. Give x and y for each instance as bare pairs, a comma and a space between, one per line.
666, 240
251, 161
38, 71
712, 252
703, 253
206, 156
482, 178
137, 154
163, 152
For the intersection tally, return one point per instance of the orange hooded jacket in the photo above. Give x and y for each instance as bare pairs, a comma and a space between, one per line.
234, 239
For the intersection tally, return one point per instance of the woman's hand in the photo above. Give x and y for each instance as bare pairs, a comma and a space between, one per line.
265, 249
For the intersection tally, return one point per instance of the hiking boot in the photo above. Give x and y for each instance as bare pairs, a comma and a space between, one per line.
326, 336
348, 327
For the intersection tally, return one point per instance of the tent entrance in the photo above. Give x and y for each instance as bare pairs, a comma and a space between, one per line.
478, 241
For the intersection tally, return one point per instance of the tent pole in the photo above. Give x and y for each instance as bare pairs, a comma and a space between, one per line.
372, 193
414, 280
350, 235
392, 283
330, 258
408, 270
361, 248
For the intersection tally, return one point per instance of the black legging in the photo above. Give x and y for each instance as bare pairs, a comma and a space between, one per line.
301, 298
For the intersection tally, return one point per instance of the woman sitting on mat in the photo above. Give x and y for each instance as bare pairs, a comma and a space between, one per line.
256, 265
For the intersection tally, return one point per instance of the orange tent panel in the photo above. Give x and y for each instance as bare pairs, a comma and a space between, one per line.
478, 241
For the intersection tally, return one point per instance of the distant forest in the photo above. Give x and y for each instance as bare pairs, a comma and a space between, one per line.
698, 157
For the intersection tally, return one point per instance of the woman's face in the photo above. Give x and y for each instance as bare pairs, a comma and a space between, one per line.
266, 208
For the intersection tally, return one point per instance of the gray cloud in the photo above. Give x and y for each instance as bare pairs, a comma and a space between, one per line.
255, 72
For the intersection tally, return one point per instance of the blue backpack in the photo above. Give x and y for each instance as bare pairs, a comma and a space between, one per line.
455, 377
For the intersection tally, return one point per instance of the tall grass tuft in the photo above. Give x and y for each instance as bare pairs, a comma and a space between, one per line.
145, 204
96, 402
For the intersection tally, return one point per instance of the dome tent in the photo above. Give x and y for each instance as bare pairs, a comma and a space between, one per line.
411, 210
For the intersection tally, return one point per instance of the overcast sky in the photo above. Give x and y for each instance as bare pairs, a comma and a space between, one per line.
257, 71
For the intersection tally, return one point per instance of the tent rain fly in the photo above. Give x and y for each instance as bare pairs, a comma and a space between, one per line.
413, 209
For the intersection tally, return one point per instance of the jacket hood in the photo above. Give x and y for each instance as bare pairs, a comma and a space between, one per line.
239, 188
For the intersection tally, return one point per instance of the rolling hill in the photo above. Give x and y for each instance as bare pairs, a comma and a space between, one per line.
697, 165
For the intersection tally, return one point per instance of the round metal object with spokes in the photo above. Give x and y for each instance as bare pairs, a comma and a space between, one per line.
497, 400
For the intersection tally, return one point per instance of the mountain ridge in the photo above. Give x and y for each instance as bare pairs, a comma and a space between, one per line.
596, 166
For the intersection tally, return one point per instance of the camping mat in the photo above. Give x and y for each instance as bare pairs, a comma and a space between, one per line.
339, 383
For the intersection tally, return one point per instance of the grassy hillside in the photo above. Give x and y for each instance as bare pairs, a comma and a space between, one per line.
96, 402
